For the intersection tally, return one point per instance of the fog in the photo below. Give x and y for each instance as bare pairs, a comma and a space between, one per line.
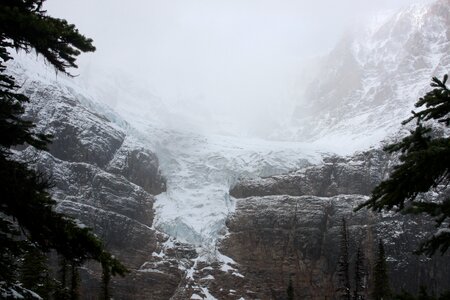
229, 66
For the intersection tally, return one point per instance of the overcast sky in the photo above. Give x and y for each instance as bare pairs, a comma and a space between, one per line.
232, 56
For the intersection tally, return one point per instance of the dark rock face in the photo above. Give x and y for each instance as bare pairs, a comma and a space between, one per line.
283, 235
338, 175
139, 166
274, 238
105, 180
84, 184
79, 135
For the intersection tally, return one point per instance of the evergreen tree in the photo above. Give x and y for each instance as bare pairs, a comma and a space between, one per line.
360, 276
62, 291
25, 201
290, 290
424, 166
34, 273
344, 265
381, 288
74, 282
106, 278
10, 252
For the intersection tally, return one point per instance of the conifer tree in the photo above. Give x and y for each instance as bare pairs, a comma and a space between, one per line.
290, 290
74, 282
381, 287
360, 276
62, 291
424, 166
343, 268
106, 278
25, 202
34, 272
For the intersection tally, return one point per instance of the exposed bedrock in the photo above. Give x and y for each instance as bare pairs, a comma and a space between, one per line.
289, 226
337, 175
106, 180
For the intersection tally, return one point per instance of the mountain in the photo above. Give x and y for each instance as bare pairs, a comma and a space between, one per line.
158, 198
202, 216
102, 177
370, 81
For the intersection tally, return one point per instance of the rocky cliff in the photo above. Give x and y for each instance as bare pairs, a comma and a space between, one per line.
337, 175
106, 179
288, 227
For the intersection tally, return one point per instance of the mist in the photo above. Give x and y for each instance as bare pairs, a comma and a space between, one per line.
231, 67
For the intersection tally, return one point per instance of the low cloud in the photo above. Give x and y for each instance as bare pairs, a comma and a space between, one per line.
236, 62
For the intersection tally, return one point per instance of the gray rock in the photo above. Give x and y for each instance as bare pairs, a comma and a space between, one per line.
79, 135
106, 181
274, 238
284, 235
139, 166
358, 174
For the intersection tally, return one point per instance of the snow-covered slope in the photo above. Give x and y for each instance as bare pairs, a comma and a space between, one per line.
369, 83
199, 168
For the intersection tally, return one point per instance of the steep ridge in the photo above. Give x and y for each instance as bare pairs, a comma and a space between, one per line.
372, 78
